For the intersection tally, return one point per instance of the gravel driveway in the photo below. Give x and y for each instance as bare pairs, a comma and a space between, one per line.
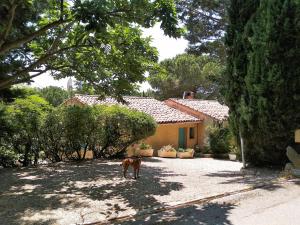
69, 193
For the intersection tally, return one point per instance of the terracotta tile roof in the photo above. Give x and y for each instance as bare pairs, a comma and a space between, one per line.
157, 109
210, 108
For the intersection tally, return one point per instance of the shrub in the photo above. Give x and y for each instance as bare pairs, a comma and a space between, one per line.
78, 125
124, 127
25, 117
219, 140
168, 148
7, 157
53, 134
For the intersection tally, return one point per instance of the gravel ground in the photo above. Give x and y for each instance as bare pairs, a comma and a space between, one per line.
276, 204
70, 193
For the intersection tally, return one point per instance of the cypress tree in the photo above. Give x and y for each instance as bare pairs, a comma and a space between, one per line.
263, 76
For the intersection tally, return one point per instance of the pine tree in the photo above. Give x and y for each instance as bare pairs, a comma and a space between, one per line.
263, 75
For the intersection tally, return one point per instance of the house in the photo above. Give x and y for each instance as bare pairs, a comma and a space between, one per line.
174, 126
210, 112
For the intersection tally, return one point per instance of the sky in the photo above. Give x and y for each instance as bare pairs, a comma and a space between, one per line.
167, 48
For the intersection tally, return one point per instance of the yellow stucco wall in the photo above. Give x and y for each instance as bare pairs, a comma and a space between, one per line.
168, 134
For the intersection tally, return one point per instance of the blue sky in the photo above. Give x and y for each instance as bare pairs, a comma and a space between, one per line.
167, 48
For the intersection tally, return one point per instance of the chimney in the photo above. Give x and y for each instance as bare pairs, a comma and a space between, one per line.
188, 95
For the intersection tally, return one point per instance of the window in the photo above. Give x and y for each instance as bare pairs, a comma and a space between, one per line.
192, 132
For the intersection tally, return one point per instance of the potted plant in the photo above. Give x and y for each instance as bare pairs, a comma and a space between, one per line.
232, 153
167, 152
185, 153
145, 150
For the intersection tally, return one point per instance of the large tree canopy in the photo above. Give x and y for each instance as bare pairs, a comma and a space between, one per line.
98, 41
200, 74
205, 22
263, 75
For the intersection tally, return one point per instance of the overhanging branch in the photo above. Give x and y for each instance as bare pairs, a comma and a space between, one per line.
17, 43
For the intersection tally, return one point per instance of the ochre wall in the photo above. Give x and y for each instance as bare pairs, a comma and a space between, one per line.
168, 134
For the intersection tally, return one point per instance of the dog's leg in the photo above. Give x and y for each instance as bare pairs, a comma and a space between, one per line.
138, 169
138, 172
135, 172
125, 170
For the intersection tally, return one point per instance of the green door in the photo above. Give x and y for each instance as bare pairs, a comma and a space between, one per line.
182, 138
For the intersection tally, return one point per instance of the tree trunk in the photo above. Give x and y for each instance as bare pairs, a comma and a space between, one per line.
26, 155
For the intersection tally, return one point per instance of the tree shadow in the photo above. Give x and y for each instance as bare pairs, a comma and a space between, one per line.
208, 214
257, 177
69, 186
152, 159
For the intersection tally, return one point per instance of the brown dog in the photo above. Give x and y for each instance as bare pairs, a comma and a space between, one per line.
135, 163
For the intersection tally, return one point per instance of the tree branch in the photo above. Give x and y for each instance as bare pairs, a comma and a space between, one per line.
12, 12
10, 45
14, 78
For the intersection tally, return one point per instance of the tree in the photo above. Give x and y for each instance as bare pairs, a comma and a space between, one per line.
54, 95
24, 117
262, 78
186, 72
97, 42
205, 22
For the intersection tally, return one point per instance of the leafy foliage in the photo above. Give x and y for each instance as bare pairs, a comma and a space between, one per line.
262, 78
186, 72
54, 95
124, 127
97, 42
219, 140
8, 157
24, 117
205, 22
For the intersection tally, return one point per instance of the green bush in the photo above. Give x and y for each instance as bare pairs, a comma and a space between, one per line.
124, 127
25, 116
106, 130
7, 157
33, 127
219, 140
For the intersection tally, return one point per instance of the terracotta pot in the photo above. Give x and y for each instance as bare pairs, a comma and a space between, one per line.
184, 155
232, 157
164, 154
145, 152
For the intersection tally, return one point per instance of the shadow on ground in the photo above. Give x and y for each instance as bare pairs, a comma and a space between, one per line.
209, 214
70, 186
250, 177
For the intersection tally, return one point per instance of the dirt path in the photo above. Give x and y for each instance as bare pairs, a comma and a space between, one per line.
69, 193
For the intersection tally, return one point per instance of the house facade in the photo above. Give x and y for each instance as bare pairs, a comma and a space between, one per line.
176, 128
210, 112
